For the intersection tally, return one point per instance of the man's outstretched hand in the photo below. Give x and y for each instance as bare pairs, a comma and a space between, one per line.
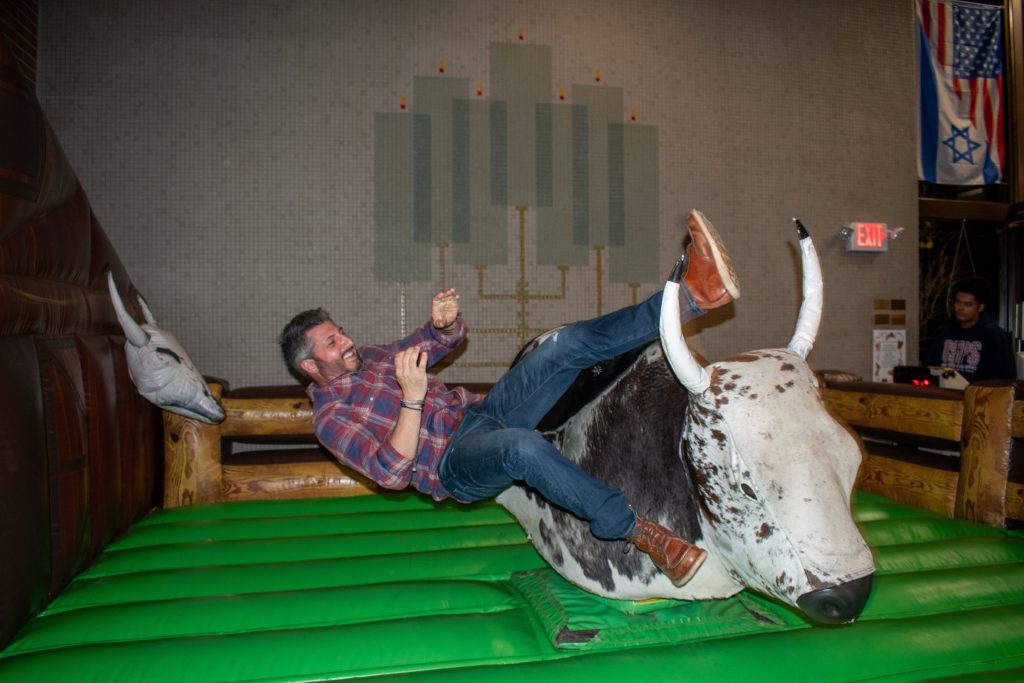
445, 308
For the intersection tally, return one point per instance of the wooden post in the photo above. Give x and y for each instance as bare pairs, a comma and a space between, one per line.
985, 454
192, 467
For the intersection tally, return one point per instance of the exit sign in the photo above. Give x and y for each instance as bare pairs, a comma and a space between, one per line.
866, 236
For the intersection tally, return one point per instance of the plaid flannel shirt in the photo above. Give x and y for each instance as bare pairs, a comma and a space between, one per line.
354, 415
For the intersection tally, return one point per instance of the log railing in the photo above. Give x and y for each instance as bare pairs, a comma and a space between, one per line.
903, 428
197, 471
956, 453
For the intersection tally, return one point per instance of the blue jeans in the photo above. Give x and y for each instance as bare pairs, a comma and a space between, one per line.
496, 444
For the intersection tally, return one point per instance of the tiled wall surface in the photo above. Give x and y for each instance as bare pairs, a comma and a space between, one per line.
228, 148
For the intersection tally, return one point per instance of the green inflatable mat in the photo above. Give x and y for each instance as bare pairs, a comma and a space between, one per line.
400, 587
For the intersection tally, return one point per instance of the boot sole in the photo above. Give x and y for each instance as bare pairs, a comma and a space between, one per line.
721, 257
685, 578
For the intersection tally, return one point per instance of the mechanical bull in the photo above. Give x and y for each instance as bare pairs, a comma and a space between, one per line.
741, 457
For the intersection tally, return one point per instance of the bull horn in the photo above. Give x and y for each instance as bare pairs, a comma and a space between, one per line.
687, 370
813, 289
146, 313
135, 334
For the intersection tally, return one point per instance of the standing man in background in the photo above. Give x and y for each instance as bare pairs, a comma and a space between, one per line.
971, 342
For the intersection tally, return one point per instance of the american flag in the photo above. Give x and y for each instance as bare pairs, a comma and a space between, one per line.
961, 50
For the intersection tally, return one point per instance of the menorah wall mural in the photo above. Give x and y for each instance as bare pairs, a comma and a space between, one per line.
456, 171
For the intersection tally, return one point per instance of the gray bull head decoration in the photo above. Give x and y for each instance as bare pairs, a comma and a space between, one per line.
160, 368
743, 458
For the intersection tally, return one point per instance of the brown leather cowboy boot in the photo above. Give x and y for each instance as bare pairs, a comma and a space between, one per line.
677, 558
709, 275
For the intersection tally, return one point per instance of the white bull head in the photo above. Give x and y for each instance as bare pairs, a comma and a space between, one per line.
775, 471
160, 368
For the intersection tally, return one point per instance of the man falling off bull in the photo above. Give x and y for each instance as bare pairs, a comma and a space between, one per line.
379, 412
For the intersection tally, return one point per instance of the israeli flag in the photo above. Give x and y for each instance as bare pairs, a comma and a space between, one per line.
961, 63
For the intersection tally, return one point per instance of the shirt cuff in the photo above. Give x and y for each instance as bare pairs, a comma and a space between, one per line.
448, 335
398, 467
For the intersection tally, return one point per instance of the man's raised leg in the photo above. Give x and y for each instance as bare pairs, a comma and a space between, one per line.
528, 390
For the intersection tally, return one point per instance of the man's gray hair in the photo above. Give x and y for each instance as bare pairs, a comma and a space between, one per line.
295, 344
